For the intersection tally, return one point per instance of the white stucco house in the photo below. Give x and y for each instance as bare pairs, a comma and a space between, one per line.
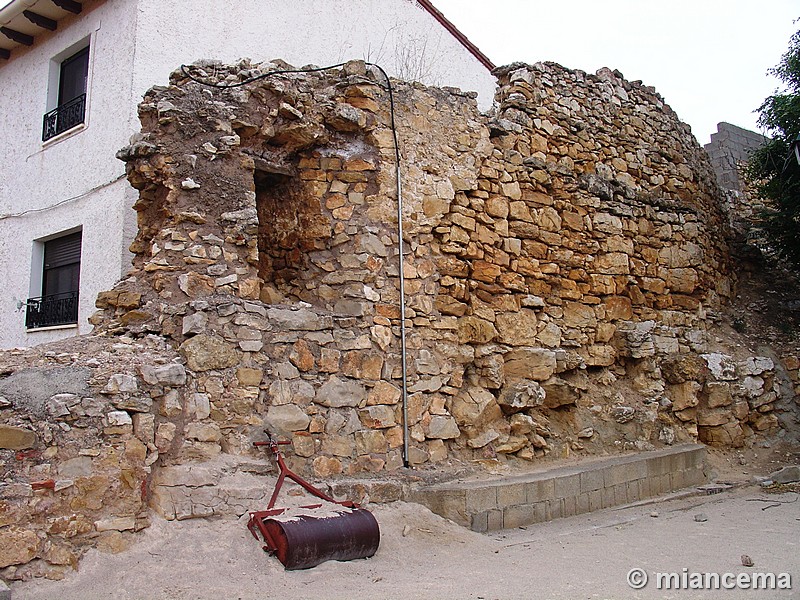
72, 73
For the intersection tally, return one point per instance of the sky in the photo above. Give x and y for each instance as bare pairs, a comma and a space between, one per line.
707, 58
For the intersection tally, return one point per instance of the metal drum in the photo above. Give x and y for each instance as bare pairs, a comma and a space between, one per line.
305, 541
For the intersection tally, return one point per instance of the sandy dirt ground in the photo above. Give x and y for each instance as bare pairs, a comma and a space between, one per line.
424, 556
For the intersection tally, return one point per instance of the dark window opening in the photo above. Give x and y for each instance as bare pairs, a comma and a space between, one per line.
291, 227
71, 109
58, 304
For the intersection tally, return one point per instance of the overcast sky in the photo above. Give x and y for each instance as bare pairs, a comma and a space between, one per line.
707, 58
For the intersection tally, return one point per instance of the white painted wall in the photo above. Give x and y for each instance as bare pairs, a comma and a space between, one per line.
397, 34
76, 181
48, 188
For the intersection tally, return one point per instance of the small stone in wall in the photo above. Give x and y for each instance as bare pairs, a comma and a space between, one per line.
120, 384
17, 546
16, 438
325, 466
336, 393
286, 418
379, 416
721, 366
119, 418
623, 414
443, 427
483, 439
559, 392
195, 323
205, 353
189, 184
171, 404
521, 396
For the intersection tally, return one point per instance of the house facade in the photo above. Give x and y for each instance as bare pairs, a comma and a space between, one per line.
72, 75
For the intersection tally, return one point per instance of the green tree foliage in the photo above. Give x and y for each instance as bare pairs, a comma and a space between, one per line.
773, 169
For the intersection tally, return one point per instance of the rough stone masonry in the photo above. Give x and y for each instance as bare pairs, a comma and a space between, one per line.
565, 258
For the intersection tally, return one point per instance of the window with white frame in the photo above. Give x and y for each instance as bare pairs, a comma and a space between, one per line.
67, 97
57, 270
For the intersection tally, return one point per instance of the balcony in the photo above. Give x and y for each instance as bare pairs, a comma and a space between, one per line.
64, 118
50, 311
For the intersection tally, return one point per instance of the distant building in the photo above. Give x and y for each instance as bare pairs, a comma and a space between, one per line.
72, 75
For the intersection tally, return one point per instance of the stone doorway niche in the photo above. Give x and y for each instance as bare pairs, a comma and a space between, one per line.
291, 228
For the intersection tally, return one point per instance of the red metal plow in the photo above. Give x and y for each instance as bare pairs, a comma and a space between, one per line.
303, 538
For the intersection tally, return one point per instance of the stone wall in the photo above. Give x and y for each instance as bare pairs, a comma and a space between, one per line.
565, 259
729, 149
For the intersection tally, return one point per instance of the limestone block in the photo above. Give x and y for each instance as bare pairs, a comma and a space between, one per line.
635, 339
757, 365
483, 439
511, 445
442, 427
286, 418
194, 323
325, 466
517, 329
171, 404
612, 263
729, 435
115, 524
248, 376
338, 392
371, 441
295, 320
378, 416
683, 281
753, 386
172, 374
338, 445
713, 417
684, 395
618, 307
599, 355
144, 427
474, 330
719, 394
559, 392
119, 418
475, 407
17, 546
520, 396
204, 352
203, 432
16, 438
579, 315
530, 363
678, 368
721, 366
121, 383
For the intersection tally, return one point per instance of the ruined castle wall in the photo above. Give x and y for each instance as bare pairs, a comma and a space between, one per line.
576, 229
564, 259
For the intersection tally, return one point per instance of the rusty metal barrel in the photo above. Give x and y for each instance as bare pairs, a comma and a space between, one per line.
303, 542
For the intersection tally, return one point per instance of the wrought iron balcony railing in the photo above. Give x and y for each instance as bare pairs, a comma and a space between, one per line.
64, 117
48, 311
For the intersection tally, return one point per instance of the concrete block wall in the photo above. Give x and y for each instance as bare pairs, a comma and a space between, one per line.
565, 491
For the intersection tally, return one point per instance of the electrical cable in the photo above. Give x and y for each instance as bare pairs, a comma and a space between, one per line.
398, 186
61, 202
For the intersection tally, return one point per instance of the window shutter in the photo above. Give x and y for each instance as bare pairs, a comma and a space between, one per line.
62, 251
